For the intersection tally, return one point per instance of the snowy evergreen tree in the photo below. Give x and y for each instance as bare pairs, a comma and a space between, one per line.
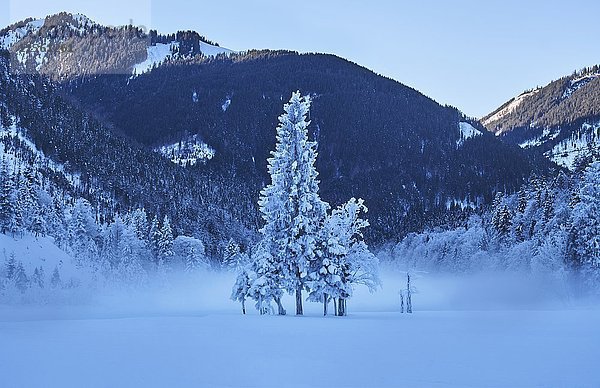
6, 198
345, 259
55, 281
83, 231
11, 266
38, 277
586, 219
241, 288
165, 242
290, 205
190, 253
10, 208
154, 238
265, 281
20, 278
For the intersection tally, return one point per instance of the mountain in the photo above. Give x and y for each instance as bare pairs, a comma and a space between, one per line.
188, 136
66, 46
114, 173
560, 120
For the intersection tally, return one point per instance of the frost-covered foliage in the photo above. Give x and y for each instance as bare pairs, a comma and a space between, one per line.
189, 253
586, 219
302, 248
550, 227
344, 259
290, 205
98, 249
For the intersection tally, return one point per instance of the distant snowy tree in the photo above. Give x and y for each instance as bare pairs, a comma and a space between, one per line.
290, 205
241, 288
11, 266
20, 278
190, 253
10, 207
165, 242
586, 218
38, 277
235, 259
138, 219
55, 281
154, 238
345, 259
83, 232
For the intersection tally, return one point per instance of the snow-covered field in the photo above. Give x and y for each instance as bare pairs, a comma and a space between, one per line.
190, 335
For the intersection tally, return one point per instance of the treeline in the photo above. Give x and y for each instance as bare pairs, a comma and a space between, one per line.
550, 226
127, 250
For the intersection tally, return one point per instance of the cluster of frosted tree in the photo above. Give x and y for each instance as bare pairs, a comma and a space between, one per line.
549, 227
127, 249
304, 247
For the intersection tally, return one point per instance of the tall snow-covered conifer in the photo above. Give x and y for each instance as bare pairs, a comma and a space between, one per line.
290, 205
586, 218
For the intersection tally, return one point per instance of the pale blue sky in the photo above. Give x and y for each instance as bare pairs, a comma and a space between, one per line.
471, 54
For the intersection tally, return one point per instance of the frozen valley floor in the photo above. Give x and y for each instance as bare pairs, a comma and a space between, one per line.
183, 340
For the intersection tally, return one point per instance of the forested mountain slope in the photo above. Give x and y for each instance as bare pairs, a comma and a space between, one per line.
378, 139
560, 120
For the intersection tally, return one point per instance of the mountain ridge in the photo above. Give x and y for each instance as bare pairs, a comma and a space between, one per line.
560, 120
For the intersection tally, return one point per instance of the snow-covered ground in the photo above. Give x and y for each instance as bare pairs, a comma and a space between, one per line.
191, 336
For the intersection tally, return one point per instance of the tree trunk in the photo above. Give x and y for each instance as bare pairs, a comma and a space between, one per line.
335, 311
401, 302
324, 305
408, 295
341, 307
280, 309
244, 306
299, 301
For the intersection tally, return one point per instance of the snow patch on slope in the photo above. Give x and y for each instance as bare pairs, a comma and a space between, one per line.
226, 104
579, 144
12, 37
578, 83
547, 135
188, 153
212, 51
155, 55
467, 131
508, 108
40, 161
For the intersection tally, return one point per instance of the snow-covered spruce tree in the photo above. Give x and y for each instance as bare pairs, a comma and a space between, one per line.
344, 258
10, 208
6, 191
190, 253
264, 281
154, 238
241, 288
83, 231
55, 280
165, 243
38, 277
586, 219
231, 255
290, 205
